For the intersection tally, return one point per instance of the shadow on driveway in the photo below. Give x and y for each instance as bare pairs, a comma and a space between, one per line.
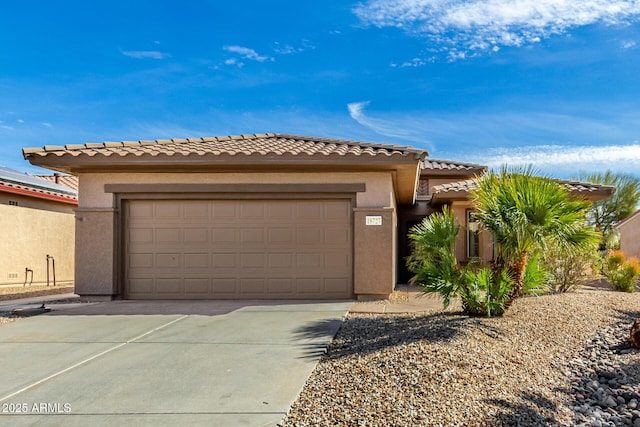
368, 334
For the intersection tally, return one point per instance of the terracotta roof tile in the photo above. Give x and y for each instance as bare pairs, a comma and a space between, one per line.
572, 186
262, 144
66, 180
433, 164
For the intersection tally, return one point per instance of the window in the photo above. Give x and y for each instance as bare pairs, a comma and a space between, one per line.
473, 238
13, 203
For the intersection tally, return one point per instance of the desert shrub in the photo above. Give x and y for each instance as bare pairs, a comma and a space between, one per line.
567, 270
485, 292
621, 272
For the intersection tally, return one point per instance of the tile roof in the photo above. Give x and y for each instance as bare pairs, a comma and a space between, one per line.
261, 144
573, 186
20, 183
447, 165
64, 180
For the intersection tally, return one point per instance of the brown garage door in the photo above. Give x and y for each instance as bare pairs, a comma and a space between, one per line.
207, 249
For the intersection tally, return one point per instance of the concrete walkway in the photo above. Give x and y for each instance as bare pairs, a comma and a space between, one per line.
131, 362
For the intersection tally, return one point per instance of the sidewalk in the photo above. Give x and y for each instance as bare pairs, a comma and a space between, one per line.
8, 305
405, 299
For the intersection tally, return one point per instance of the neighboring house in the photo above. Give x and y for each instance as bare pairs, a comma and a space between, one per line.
629, 229
253, 216
37, 222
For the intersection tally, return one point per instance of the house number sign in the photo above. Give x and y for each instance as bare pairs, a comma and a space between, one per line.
373, 220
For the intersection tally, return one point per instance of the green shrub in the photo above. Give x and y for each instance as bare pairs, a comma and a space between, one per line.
569, 269
621, 273
483, 292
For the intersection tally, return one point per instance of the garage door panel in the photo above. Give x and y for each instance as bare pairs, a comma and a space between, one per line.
336, 211
337, 236
164, 261
255, 286
137, 261
198, 286
196, 236
224, 286
308, 286
224, 237
168, 235
252, 237
221, 261
249, 211
167, 211
252, 262
141, 235
335, 286
197, 261
238, 249
281, 237
282, 287
142, 286
164, 286
309, 236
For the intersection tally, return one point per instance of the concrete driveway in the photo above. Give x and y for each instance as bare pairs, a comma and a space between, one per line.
162, 363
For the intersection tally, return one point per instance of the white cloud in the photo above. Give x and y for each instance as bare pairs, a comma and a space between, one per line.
562, 141
565, 161
20, 121
248, 53
483, 25
145, 54
389, 128
628, 44
47, 125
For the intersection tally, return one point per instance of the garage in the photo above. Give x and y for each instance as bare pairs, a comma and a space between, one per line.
254, 216
228, 249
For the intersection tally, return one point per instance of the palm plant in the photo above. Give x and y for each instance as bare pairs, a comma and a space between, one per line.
525, 212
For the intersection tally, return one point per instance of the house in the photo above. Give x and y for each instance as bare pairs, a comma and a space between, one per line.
629, 229
253, 216
38, 228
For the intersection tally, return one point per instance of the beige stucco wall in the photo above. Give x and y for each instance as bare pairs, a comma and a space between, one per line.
630, 236
96, 264
379, 191
35, 203
374, 253
28, 236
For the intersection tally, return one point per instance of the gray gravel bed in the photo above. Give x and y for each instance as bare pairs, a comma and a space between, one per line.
447, 369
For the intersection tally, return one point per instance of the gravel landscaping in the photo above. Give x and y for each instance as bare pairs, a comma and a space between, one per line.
551, 360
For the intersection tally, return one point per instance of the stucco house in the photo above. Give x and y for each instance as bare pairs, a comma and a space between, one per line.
37, 222
254, 216
629, 229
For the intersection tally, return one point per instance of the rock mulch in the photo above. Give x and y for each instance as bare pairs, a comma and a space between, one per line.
536, 366
605, 380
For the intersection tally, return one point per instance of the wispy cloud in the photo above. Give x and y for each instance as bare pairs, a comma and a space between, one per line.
561, 141
564, 161
47, 125
247, 53
464, 28
628, 44
145, 54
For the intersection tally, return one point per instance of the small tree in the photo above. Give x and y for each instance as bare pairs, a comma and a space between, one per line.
525, 213
606, 213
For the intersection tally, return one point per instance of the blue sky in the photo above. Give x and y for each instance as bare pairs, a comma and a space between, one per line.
550, 83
